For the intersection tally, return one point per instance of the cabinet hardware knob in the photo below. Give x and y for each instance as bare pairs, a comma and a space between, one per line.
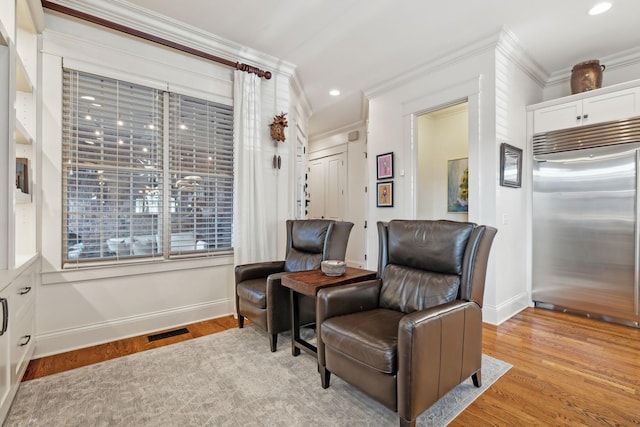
5, 315
586, 116
578, 118
25, 290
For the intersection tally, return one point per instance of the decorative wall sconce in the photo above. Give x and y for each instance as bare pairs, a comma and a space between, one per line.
277, 127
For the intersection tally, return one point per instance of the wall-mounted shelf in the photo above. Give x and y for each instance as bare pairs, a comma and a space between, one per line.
23, 81
22, 135
22, 197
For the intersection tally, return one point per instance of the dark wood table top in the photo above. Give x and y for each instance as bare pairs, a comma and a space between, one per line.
310, 282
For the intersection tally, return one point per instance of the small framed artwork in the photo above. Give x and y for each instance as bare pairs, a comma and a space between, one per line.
458, 185
510, 166
22, 174
385, 194
385, 165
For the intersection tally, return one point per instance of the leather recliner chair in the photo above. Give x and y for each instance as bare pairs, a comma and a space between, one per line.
260, 295
415, 333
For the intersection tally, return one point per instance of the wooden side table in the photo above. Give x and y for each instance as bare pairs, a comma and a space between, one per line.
309, 283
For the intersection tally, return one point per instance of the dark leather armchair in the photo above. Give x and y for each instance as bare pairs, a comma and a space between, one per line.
260, 295
415, 333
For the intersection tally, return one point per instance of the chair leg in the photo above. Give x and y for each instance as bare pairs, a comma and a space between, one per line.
325, 376
477, 378
405, 423
273, 340
240, 321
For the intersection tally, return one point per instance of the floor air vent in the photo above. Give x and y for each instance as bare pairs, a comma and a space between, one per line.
168, 334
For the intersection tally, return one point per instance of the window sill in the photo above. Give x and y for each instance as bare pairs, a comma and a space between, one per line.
99, 272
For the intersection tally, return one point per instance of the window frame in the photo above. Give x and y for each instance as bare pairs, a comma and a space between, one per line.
164, 250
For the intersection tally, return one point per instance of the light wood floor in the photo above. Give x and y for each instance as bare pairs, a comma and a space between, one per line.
567, 370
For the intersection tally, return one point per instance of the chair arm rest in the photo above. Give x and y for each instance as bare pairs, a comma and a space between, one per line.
341, 300
437, 349
346, 299
257, 270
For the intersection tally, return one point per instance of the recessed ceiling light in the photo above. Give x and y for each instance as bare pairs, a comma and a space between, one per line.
88, 98
334, 92
599, 8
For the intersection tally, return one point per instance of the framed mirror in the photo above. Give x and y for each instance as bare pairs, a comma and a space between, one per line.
510, 166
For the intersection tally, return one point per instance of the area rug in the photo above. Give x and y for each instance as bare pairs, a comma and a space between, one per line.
226, 379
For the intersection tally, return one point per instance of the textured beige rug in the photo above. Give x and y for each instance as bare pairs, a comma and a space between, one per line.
225, 379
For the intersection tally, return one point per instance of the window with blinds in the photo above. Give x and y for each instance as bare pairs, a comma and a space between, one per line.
201, 172
119, 202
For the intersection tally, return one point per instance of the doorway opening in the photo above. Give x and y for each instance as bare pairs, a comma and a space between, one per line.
442, 186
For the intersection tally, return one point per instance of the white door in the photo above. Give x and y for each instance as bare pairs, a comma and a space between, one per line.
334, 194
317, 179
327, 178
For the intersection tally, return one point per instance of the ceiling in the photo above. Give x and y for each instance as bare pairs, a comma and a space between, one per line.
355, 45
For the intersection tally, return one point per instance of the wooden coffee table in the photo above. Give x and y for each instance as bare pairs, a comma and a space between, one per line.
309, 283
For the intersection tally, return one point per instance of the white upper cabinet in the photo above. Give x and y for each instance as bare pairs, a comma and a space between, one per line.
590, 108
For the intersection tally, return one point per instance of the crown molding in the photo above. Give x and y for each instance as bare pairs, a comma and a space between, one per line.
614, 61
510, 46
503, 41
481, 46
124, 13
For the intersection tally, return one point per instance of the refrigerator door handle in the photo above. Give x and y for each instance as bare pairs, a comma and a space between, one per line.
636, 276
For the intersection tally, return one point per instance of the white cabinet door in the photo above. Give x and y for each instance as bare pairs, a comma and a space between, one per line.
5, 373
556, 117
611, 106
617, 105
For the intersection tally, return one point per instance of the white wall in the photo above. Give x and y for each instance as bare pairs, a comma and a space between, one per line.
442, 136
496, 88
99, 304
355, 207
515, 89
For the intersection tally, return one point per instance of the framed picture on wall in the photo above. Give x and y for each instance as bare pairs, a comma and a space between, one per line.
458, 185
22, 174
385, 165
510, 166
385, 194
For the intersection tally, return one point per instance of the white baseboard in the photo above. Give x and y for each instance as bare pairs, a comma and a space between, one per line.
497, 314
89, 335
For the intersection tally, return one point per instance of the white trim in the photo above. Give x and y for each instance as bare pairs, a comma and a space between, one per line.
110, 72
99, 333
506, 310
444, 61
510, 46
357, 125
102, 271
114, 62
130, 15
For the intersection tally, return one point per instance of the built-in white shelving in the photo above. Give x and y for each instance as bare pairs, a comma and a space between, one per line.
20, 23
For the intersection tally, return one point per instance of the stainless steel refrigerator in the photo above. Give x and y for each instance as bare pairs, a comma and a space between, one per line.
586, 226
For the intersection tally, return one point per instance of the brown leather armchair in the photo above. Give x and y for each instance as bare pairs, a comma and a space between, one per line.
415, 333
260, 295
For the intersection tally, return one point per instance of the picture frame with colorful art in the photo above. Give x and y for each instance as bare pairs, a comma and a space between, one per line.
384, 194
384, 164
458, 185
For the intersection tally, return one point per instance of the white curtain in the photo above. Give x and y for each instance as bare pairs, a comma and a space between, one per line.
249, 210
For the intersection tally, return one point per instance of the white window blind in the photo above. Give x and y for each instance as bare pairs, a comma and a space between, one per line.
114, 181
201, 173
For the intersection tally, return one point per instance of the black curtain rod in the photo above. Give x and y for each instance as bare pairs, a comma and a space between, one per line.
150, 37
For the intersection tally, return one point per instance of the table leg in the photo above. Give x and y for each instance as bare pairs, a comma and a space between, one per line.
295, 322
